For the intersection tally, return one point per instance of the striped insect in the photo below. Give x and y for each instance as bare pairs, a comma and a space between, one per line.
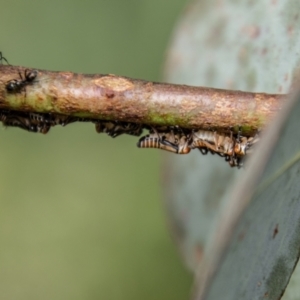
176, 140
18, 85
212, 141
172, 141
23, 121
226, 145
47, 120
116, 128
52, 119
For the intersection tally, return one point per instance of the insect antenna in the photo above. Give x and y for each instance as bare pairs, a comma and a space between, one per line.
2, 58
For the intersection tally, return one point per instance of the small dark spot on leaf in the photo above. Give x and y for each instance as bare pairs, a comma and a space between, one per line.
275, 231
290, 30
264, 51
252, 31
241, 235
266, 295
198, 252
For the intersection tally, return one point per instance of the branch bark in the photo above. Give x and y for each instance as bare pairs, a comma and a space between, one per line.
111, 97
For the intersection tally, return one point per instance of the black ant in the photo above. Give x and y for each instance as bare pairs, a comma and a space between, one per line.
16, 86
3, 58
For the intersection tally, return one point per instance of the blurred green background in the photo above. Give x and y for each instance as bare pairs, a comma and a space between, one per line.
81, 214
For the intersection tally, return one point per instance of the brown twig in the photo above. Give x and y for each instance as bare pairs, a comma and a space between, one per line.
110, 97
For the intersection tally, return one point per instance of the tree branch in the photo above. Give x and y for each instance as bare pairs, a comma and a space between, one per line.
110, 97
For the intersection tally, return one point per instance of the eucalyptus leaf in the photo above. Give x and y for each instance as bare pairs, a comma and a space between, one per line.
255, 243
250, 46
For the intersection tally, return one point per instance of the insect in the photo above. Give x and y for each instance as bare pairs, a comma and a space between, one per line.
182, 141
2, 58
50, 119
243, 147
22, 120
232, 148
206, 140
17, 85
53, 119
171, 141
47, 120
44, 121
35, 122
116, 128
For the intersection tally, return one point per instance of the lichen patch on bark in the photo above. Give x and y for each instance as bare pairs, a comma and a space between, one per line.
117, 84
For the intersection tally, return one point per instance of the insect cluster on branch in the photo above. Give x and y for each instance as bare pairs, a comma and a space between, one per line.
181, 141
232, 147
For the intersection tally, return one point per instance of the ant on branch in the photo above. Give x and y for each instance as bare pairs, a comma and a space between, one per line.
16, 86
